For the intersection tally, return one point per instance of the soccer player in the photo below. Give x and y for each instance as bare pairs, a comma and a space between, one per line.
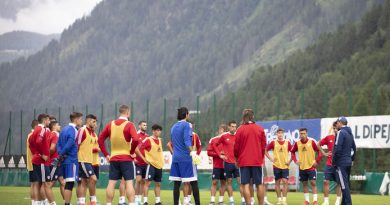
196, 145
67, 151
330, 172
95, 164
86, 140
55, 172
218, 173
344, 152
39, 143
249, 150
34, 123
226, 153
281, 164
307, 149
120, 132
140, 164
151, 152
182, 168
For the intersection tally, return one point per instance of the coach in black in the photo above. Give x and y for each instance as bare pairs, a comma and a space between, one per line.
343, 155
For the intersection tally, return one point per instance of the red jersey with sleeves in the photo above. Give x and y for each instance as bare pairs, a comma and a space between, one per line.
315, 148
53, 140
211, 152
138, 141
40, 145
249, 148
226, 143
195, 143
129, 133
329, 142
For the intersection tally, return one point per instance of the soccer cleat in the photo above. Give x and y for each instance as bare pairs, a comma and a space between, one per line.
306, 203
279, 203
122, 204
325, 203
221, 203
211, 203
159, 203
146, 203
315, 203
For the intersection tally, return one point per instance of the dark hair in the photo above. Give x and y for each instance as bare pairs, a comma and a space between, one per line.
52, 118
123, 109
51, 125
42, 116
182, 113
90, 116
247, 116
34, 123
232, 122
302, 129
142, 121
75, 115
223, 126
334, 124
280, 129
156, 127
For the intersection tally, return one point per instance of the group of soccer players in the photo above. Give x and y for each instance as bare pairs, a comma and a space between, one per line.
71, 155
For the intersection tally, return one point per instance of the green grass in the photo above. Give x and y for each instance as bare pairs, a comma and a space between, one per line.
20, 195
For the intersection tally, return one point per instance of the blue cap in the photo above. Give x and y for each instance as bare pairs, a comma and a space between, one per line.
342, 119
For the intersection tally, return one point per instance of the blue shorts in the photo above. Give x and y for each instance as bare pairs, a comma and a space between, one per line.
119, 170
218, 174
281, 173
70, 172
183, 171
141, 170
41, 173
307, 175
230, 170
251, 173
85, 170
330, 173
96, 170
55, 172
153, 174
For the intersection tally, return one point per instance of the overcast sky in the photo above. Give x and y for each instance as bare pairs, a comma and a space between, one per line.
42, 16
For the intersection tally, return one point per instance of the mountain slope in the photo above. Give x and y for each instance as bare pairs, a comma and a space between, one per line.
137, 50
16, 44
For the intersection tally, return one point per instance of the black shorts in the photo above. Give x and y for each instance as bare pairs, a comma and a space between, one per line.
55, 174
330, 173
254, 174
31, 176
141, 170
85, 170
122, 169
230, 170
41, 173
281, 173
305, 175
218, 174
96, 170
153, 174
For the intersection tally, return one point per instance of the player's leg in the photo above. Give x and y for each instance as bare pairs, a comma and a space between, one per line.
61, 181
245, 183
284, 189
214, 184
343, 174
122, 192
189, 174
110, 191
236, 174
47, 184
222, 188
113, 175
241, 188
189, 194
326, 191
70, 172
157, 192
41, 193
92, 186
303, 178
229, 181
127, 170
149, 175
174, 175
313, 184
338, 194
146, 191
278, 191
176, 192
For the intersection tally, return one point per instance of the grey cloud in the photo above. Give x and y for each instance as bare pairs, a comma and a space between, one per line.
10, 8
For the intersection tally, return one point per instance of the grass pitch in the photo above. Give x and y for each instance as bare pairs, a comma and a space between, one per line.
20, 196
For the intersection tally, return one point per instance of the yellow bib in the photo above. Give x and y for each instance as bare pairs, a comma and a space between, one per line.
155, 155
85, 148
29, 154
95, 156
119, 145
306, 154
281, 154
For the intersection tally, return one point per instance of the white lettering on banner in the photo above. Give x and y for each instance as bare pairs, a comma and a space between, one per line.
368, 131
2, 164
11, 163
290, 135
22, 163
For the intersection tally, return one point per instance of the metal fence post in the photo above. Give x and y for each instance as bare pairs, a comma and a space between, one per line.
302, 103
215, 114
349, 101
115, 110
147, 113
132, 111
179, 103
86, 109
59, 115
197, 112
165, 120
21, 131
